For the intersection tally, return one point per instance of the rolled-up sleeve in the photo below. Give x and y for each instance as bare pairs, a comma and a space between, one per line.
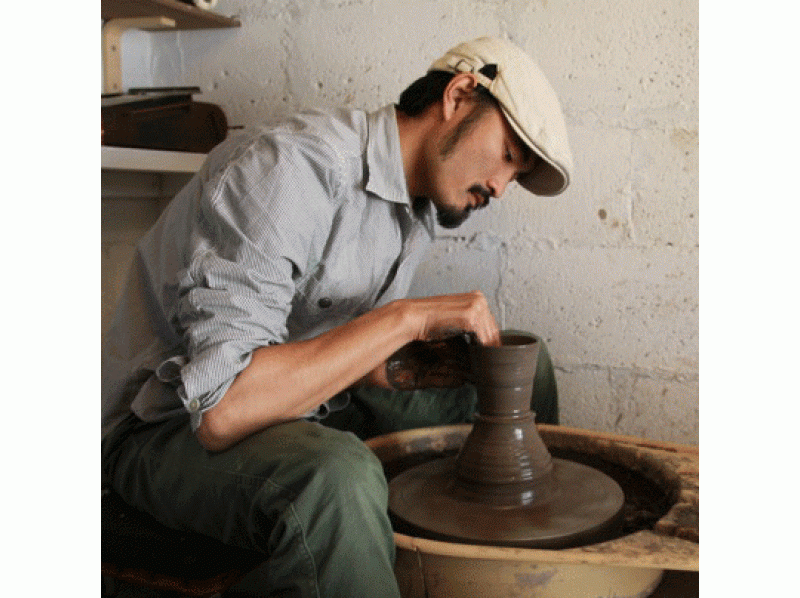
260, 222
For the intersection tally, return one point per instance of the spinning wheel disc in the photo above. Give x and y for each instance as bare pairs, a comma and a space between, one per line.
584, 507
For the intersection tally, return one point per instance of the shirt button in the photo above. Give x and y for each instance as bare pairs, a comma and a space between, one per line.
194, 405
325, 303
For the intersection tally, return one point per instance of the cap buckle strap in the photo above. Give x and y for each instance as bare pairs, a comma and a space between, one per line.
462, 65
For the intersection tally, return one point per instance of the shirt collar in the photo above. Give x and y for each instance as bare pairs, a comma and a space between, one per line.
386, 175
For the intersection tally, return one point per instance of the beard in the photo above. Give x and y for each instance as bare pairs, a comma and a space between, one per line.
446, 216
449, 217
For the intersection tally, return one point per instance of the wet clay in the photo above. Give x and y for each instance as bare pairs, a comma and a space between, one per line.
504, 487
442, 362
504, 461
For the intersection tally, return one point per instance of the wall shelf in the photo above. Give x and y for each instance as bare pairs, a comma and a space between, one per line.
186, 16
145, 160
121, 163
148, 15
136, 174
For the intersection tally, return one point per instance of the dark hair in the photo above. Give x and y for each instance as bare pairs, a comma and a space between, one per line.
429, 89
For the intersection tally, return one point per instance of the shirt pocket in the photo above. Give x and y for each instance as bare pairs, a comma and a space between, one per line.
322, 302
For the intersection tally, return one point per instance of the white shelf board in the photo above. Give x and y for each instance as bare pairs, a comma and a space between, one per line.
145, 160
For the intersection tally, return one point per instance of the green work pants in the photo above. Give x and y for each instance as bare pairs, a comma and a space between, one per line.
311, 497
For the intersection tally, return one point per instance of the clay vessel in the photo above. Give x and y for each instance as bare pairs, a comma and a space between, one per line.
503, 488
503, 461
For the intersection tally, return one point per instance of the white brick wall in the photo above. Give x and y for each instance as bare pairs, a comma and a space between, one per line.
607, 272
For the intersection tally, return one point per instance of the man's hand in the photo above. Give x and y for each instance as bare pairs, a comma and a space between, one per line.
439, 355
436, 317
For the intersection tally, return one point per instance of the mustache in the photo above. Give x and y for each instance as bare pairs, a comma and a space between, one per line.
484, 193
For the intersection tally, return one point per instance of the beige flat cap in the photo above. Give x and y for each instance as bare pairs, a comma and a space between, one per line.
528, 101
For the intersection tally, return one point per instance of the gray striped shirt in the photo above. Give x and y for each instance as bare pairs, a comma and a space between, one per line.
283, 234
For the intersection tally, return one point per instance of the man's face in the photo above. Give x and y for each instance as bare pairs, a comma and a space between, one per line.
473, 160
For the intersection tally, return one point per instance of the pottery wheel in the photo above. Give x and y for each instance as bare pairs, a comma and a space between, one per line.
584, 508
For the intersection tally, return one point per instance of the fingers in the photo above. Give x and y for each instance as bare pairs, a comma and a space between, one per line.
464, 312
482, 320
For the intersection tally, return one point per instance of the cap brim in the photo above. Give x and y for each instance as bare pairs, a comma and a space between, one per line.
547, 178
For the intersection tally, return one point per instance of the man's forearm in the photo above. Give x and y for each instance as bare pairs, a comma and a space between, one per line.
284, 382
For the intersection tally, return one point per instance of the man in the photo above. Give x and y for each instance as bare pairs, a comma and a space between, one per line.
271, 293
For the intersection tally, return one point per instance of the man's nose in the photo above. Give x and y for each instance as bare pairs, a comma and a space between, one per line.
498, 183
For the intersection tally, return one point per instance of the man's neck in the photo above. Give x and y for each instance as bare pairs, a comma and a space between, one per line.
413, 131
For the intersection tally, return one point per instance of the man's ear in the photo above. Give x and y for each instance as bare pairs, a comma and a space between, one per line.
458, 93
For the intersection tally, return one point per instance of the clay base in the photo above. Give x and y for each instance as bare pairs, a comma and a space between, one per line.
584, 507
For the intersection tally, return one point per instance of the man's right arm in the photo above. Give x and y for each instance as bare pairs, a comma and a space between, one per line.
284, 382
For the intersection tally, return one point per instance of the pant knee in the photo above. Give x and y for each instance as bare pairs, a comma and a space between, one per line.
338, 499
345, 466
336, 516
544, 399
320, 463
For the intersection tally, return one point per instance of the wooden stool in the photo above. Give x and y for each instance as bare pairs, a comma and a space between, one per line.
139, 551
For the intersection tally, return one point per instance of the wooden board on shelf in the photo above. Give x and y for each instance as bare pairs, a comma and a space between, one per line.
146, 160
186, 16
